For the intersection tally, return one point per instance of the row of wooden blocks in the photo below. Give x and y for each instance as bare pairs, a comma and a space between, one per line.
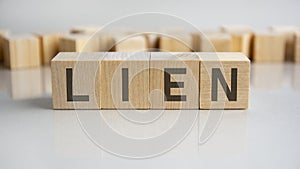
277, 45
150, 80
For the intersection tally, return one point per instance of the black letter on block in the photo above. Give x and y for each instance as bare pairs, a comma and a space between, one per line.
168, 84
125, 84
231, 94
70, 96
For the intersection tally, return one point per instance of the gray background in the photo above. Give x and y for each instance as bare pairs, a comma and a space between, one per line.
57, 15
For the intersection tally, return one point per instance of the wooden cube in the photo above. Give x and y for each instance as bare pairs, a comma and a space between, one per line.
21, 51
124, 81
73, 43
215, 42
241, 38
85, 30
174, 80
236, 29
268, 47
75, 80
297, 47
289, 32
3, 33
49, 46
224, 81
175, 41
131, 44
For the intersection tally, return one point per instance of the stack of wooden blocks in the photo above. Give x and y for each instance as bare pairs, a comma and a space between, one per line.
150, 80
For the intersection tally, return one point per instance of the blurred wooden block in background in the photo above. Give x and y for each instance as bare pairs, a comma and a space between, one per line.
124, 80
268, 47
85, 29
75, 80
233, 29
224, 81
242, 38
215, 42
174, 80
21, 51
127, 43
49, 43
86, 43
289, 32
175, 41
3, 33
297, 47
73, 43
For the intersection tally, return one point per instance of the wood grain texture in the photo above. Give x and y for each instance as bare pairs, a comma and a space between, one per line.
85, 80
21, 51
225, 62
137, 65
159, 62
269, 47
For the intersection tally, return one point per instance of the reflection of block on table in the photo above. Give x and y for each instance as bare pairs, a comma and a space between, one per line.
124, 81
224, 81
295, 77
49, 46
75, 80
215, 42
174, 80
3, 33
297, 47
26, 83
131, 44
267, 76
289, 33
268, 47
21, 51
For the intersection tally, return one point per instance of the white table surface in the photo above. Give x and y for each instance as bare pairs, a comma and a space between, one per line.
267, 135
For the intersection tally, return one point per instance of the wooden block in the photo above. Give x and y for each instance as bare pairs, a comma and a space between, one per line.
215, 42
153, 42
268, 47
174, 80
75, 80
85, 29
297, 47
241, 37
175, 41
21, 51
86, 43
128, 43
124, 80
289, 32
49, 46
236, 29
72, 43
224, 81
3, 33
